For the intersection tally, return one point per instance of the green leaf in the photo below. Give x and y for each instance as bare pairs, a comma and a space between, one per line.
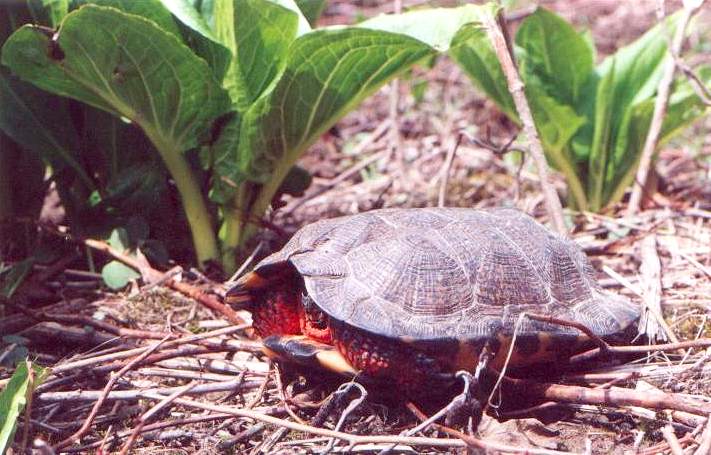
153, 10
14, 398
312, 9
637, 69
328, 72
472, 50
684, 108
601, 139
263, 33
557, 123
223, 160
41, 124
199, 36
303, 23
557, 57
436, 27
48, 12
117, 275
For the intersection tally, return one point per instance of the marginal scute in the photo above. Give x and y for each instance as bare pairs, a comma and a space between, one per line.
443, 273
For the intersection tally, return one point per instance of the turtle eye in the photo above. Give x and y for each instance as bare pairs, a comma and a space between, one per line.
317, 319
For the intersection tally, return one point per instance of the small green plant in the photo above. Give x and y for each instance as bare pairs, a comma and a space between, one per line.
14, 397
592, 119
228, 94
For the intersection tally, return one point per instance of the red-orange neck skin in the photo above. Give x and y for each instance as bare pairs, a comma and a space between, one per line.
281, 312
276, 313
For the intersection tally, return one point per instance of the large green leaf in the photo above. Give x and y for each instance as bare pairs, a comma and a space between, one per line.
199, 36
152, 10
557, 123
637, 69
328, 72
684, 108
554, 56
601, 143
41, 124
312, 9
436, 27
263, 33
472, 49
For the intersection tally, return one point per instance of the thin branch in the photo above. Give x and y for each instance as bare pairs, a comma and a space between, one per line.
109, 385
674, 446
516, 87
660, 107
148, 415
447, 168
350, 438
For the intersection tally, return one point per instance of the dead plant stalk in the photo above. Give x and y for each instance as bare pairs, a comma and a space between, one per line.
516, 87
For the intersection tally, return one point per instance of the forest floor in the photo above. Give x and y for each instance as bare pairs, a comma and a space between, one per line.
170, 370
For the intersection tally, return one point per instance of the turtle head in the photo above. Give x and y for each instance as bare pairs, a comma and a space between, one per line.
279, 307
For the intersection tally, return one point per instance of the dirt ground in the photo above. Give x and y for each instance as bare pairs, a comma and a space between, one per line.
362, 164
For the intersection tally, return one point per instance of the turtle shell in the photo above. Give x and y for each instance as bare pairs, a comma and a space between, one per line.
443, 273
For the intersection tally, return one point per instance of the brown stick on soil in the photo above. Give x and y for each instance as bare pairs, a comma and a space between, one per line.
660, 106
613, 396
516, 87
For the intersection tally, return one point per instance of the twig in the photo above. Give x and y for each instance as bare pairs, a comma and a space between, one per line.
613, 396
133, 394
109, 385
705, 444
660, 107
698, 343
674, 446
516, 87
350, 438
206, 299
148, 415
447, 168
250, 346
394, 108
155, 426
344, 388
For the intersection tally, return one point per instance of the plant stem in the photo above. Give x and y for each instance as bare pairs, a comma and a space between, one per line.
264, 197
196, 212
516, 87
660, 106
232, 229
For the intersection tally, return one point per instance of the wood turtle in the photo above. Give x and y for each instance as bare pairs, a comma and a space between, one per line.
403, 294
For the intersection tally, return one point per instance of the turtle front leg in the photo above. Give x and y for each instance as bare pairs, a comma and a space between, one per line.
308, 352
